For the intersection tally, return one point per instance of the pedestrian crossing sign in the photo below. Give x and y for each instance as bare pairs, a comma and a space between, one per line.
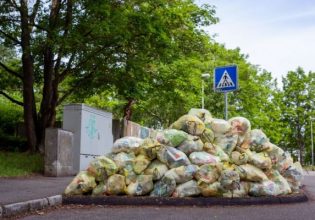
225, 78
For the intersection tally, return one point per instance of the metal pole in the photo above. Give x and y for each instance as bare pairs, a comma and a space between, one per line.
202, 95
226, 106
312, 141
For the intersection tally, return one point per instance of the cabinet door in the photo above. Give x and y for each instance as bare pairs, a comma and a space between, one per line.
96, 134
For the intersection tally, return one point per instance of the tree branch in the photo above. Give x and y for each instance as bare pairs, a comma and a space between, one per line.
16, 74
10, 37
13, 3
34, 13
76, 86
39, 27
68, 68
11, 99
67, 25
67, 71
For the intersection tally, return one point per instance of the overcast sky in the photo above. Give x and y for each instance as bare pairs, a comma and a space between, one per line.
278, 35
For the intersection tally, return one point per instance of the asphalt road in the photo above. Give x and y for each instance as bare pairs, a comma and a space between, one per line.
299, 211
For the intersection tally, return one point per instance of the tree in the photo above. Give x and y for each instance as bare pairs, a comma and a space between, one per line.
296, 109
80, 45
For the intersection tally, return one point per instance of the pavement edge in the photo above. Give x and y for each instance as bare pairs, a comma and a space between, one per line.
13, 209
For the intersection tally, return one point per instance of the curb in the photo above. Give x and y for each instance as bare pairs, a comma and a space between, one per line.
188, 201
10, 210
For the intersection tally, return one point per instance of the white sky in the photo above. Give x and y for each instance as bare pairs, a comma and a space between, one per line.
278, 35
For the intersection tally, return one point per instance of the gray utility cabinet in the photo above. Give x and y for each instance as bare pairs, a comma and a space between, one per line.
92, 133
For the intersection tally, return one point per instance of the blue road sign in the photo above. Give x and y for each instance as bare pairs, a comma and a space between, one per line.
225, 79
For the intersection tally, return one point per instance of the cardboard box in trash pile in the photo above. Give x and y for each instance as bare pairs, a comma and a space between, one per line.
197, 156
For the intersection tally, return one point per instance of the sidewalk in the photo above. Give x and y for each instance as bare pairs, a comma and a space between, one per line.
309, 173
28, 193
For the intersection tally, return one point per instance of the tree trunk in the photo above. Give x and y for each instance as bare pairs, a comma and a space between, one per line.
300, 141
302, 149
28, 81
48, 105
128, 109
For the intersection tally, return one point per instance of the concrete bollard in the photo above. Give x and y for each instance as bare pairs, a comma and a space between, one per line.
58, 153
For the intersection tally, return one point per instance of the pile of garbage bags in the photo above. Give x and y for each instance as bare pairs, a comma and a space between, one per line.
198, 155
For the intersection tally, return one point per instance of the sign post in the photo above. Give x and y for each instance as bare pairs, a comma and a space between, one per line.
225, 80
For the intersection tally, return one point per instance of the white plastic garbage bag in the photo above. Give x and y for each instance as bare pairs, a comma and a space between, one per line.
183, 173
157, 169
187, 189
208, 173
201, 158
172, 157
141, 187
127, 144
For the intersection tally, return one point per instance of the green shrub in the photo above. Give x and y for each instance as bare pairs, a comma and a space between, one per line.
12, 143
10, 116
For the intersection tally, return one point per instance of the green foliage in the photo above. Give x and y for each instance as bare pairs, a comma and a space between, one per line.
20, 164
10, 116
85, 47
297, 108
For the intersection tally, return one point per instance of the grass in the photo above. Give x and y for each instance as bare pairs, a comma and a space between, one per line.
13, 164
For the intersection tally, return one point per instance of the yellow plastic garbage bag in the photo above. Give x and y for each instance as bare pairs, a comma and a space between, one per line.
100, 189
256, 140
123, 159
216, 151
239, 158
157, 169
190, 145
140, 163
285, 162
227, 142
190, 124
264, 188
210, 189
219, 126
280, 181
208, 173
207, 136
187, 189
141, 187
129, 173
183, 173
240, 125
229, 180
149, 148
116, 185
203, 114
275, 153
260, 160
84, 182
241, 192
127, 144
172, 157
294, 176
171, 137
201, 158
101, 168
164, 187
249, 172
